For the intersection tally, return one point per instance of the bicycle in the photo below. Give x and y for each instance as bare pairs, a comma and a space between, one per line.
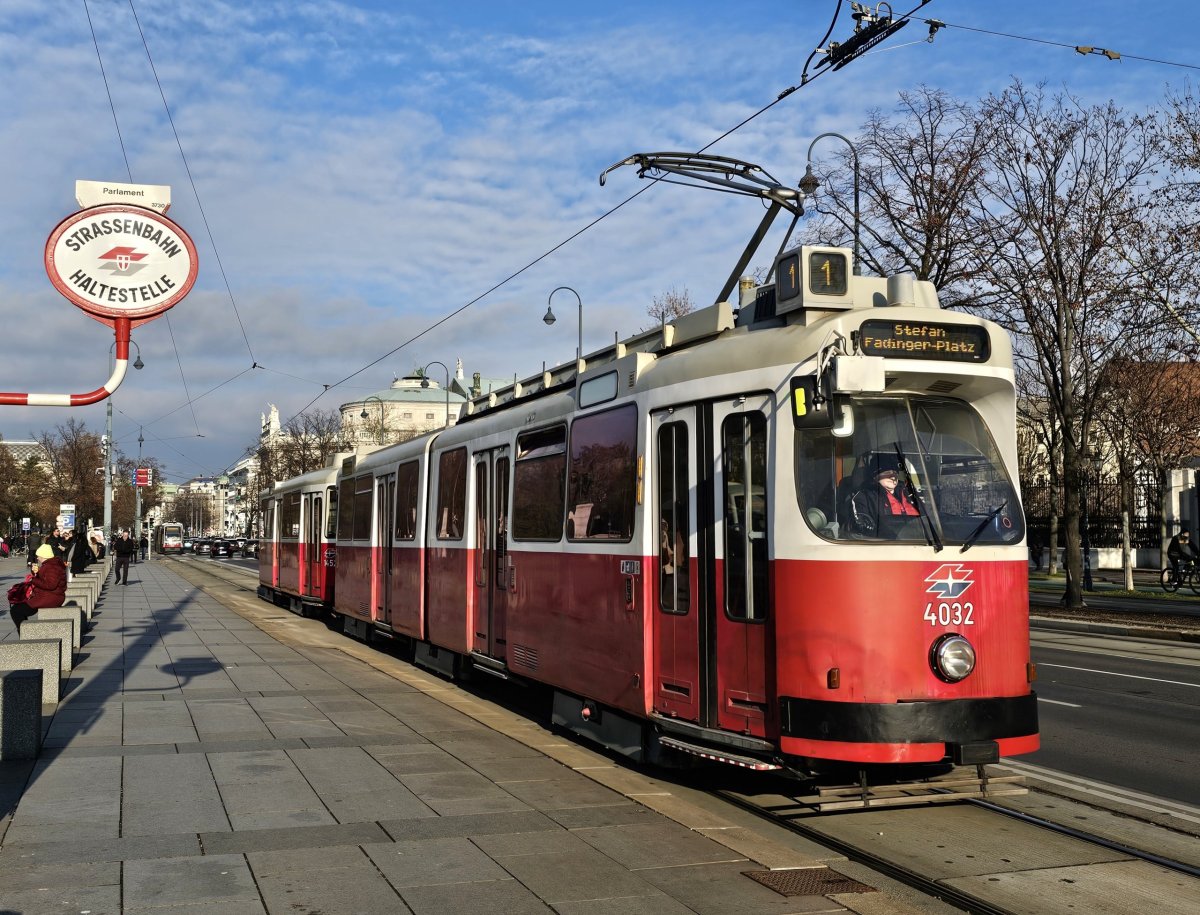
1187, 575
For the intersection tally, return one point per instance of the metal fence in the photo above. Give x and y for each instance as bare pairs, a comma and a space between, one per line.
1101, 501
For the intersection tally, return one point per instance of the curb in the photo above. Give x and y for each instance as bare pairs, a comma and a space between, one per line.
1141, 632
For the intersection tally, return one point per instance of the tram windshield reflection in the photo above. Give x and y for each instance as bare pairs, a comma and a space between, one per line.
916, 469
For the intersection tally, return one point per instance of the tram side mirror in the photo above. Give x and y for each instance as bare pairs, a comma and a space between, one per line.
810, 406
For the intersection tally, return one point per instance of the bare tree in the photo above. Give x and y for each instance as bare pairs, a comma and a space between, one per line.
1064, 185
918, 170
75, 455
670, 305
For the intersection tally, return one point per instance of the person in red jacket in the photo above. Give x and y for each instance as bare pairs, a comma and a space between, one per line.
47, 587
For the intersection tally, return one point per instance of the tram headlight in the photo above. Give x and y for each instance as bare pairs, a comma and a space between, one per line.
952, 657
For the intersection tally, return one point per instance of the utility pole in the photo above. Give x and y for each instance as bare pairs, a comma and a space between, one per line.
108, 480
137, 494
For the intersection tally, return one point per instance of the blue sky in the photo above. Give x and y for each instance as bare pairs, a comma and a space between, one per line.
363, 169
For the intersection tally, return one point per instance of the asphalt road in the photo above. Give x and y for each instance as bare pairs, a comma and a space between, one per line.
1119, 710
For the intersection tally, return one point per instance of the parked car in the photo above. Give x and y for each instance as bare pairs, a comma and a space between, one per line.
202, 546
221, 547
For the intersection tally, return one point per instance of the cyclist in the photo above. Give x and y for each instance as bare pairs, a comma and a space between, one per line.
1181, 551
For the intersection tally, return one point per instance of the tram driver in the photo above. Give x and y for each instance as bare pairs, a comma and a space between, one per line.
883, 496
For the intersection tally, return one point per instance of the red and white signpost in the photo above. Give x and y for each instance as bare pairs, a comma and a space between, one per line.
123, 265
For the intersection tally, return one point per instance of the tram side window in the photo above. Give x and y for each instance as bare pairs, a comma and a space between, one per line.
289, 517
672, 473
331, 501
345, 524
406, 501
452, 494
744, 458
603, 473
268, 518
362, 507
539, 480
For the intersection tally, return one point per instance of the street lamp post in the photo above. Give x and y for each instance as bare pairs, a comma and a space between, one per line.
809, 183
363, 414
108, 467
550, 319
425, 384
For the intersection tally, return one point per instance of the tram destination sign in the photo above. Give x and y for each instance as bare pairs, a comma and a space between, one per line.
121, 261
924, 340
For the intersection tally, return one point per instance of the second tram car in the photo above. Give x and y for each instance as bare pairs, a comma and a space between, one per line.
168, 538
296, 552
784, 536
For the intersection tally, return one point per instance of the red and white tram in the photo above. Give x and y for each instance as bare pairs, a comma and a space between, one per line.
296, 555
686, 536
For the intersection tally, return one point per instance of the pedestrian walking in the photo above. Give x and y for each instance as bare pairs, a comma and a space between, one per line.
123, 551
144, 546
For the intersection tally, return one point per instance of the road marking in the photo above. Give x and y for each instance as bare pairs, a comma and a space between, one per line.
1104, 790
1088, 670
1056, 702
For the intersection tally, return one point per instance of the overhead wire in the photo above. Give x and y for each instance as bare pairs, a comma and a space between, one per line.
1077, 48
195, 192
108, 89
805, 80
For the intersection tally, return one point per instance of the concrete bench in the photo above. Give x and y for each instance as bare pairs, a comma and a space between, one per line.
84, 605
85, 582
44, 655
34, 629
72, 614
82, 597
20, 714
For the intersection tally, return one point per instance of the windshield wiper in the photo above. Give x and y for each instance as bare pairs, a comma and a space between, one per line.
927, 525
991, 516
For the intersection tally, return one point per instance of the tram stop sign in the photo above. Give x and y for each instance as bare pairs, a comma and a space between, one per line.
121, 261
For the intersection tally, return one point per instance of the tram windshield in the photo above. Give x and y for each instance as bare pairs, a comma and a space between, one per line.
914, 469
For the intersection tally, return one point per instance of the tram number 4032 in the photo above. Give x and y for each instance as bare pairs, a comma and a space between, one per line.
950, 613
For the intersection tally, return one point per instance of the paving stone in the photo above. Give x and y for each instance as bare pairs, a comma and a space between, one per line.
20, 714
575, 876
481, 824
507, 896
170, 794
324, 857
57, 900
661, 844
349, 889
434, 862
185, 881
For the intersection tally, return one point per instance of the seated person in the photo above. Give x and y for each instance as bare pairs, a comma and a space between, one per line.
884, 495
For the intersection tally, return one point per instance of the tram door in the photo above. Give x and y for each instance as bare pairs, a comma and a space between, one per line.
741, 593
679, 671
314, 523
384, 555
489, 574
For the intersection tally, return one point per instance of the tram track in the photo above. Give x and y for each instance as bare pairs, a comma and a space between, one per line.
895, 842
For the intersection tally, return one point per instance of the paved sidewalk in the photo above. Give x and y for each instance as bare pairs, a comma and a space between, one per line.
199, 764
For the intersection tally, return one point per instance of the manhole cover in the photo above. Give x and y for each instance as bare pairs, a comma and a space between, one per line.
808, 881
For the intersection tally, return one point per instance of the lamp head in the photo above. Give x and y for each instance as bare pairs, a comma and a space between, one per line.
424, 381
549, 318
809, 183
138, 364
363, 414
